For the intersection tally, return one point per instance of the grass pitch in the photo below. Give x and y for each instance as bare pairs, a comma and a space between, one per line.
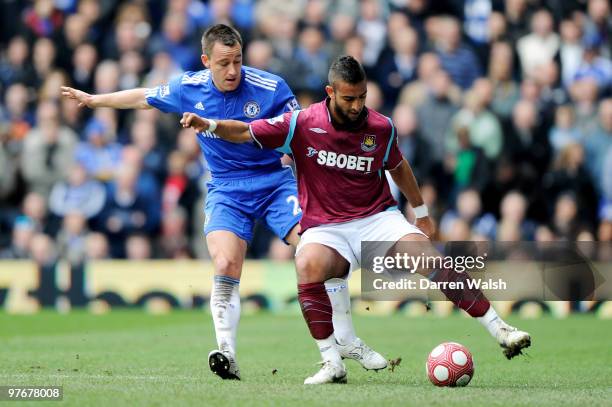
134, 359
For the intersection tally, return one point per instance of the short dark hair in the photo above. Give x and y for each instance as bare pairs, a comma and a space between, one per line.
222, 33
346, 69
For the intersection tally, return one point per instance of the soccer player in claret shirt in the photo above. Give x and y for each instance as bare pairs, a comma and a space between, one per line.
341, 149
248, 183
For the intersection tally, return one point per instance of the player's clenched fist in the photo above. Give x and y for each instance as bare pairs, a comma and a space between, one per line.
84, 98
199, 124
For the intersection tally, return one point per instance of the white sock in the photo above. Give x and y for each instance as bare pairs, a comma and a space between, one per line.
338, 291
328, 349
491, 321
225, 308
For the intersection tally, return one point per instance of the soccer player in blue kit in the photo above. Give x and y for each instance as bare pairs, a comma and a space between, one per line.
248, 183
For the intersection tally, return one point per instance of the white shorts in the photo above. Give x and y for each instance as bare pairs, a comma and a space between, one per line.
346, 237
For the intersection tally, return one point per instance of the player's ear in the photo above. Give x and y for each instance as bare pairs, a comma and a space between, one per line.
205, 60
330, 91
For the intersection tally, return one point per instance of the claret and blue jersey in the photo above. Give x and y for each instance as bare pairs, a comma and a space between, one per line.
247, 182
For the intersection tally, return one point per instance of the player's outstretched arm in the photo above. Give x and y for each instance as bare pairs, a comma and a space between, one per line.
125, 99
229, 130
406, 182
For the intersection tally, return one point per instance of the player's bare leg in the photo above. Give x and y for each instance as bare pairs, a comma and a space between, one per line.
293, 237
227, 251
474, 302
349, 345
316, 263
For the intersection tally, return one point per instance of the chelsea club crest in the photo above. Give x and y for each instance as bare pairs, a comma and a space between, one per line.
369, 143
251, 109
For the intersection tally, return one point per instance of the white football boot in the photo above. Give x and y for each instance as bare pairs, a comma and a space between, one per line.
223, 364
330, 372
512, 340
362, 353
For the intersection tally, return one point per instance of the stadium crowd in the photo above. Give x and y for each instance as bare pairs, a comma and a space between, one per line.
503, 109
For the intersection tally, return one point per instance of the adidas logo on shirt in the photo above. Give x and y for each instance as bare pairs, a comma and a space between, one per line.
199, 106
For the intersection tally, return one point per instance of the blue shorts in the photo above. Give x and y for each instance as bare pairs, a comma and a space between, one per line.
235, 204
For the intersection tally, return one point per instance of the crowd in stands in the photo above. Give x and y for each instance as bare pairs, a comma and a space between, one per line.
503, 109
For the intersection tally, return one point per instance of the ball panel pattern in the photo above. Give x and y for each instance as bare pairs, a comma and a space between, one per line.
450, 364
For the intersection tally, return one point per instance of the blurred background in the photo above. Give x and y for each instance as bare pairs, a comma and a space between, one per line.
503, 109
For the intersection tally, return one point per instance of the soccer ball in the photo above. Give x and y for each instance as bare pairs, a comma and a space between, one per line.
450, 364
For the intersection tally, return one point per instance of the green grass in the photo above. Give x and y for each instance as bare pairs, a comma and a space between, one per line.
130, 358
